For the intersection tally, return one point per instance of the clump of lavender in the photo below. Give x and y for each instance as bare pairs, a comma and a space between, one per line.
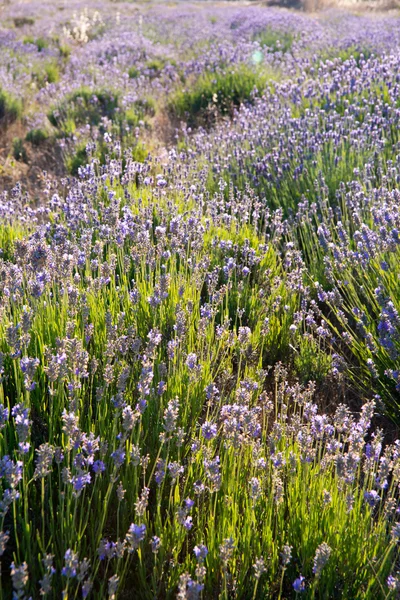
45, 455
49, 571
286, 555
189, 589
22, 426
321, 558
134, 537
112, 588
20, 578
259, 568
226, 550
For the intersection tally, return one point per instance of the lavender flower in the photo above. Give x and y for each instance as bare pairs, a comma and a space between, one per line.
286, 555
134, 536
209, 430
322, 555
20, 578
200, 552
112, 586
299, 584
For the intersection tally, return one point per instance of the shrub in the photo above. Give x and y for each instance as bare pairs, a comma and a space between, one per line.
22, 21
36, 136
311, 362
65, 50
275, 41
18, 150
221, 91
85, 106
90, 106
133, 72
155, 64
77, 159
40, 43
52, 72
48, 74
10, 107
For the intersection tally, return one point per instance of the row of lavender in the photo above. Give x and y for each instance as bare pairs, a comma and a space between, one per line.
60, 56
194, 348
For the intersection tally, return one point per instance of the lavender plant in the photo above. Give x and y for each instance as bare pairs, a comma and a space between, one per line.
197, 342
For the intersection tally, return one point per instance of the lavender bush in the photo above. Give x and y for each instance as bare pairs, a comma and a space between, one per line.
199, 320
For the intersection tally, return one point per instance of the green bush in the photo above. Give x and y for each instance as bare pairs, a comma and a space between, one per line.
65, 50
40, 43
10, 107
353, 51
133, 73
275, 40
311, 361
78, 159
49, 73
36, 136
152, 68
18, 150
85, 106
156, 65
222, 91
52, 73
21, 21
90, 106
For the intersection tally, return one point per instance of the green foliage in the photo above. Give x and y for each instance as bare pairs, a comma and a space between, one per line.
10, 107
231, 275
311, 361
85, 105
65, 50
18, 150
155, 66
275, 41
302, 504
133, 72
22, 21
358, 53
48, 73
37, 136
77, 159
40, 43
221, 91
52, 72
152, 68
9, 233
374, 365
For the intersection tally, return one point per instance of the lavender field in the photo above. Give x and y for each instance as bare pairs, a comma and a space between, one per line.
199, 302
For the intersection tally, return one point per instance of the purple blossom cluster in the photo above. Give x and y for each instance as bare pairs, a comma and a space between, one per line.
187, 334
